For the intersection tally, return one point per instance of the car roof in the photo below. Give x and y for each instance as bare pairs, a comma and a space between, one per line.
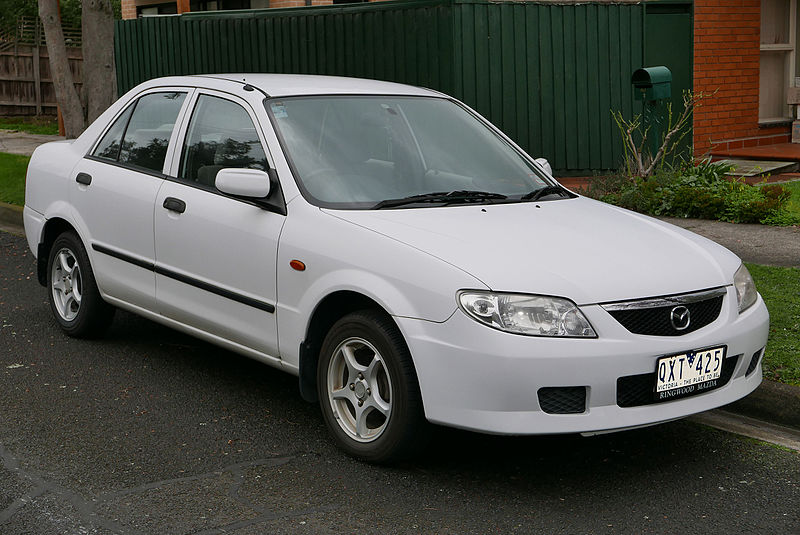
284, 85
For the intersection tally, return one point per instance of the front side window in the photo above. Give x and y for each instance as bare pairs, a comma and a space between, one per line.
220, 135
139, 137
358, 151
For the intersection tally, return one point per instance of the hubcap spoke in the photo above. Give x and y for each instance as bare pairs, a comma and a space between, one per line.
353, 367
371, 373
344, 394
380, 405
76, 287
63, 261
68, 303
361, 421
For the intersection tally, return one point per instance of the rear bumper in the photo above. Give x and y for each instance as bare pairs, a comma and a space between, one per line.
34, 223
478, 378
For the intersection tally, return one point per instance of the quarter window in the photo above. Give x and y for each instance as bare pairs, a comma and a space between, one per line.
108, 148
140, 136
220, 135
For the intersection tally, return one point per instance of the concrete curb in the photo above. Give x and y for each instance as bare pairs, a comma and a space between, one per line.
11, 218
771, 402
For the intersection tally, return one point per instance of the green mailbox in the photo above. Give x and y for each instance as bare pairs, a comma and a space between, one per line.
652, 83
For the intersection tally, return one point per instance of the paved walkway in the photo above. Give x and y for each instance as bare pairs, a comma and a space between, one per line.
23, 143
759, 244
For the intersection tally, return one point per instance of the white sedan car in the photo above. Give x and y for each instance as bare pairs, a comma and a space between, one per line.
395, 251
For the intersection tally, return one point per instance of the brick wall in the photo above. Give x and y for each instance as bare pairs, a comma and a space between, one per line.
128, 9
297, 3
726, 60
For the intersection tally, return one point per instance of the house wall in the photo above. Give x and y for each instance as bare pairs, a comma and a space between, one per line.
726, 67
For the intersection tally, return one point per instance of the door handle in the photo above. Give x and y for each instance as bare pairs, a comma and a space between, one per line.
176, 205
83, 178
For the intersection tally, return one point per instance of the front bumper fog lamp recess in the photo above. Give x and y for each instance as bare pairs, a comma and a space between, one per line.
533, 315
746, 293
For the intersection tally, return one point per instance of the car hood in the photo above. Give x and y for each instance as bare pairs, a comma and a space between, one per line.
582, 249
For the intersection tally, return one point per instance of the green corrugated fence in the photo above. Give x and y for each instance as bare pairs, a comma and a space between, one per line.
546, 74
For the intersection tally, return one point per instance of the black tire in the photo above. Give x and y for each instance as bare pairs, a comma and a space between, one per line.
404, 433
89, 316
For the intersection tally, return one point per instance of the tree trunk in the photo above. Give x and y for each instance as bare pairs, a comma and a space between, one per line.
66, 94
99, 75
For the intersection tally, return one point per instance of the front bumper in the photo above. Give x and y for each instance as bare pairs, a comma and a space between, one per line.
475, 377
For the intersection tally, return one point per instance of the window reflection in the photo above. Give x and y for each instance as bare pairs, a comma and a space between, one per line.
108, 148
147, 136
140, 136
221, 135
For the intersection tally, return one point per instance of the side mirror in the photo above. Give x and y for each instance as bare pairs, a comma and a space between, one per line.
243, 182
544, 164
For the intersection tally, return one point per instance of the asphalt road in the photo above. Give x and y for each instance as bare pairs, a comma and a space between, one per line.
150, 431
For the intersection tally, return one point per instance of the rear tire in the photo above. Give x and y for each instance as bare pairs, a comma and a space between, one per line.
72, 291
368, 389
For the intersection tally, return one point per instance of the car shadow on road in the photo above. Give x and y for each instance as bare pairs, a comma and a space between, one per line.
657, 451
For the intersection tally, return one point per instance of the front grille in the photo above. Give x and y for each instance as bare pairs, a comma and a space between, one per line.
754, 362
563, 399
655, 316
637, 390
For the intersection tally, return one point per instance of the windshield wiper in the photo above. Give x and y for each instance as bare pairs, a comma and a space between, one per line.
445, 197
537, 194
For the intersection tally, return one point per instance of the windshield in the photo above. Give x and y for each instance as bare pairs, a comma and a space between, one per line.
361, 151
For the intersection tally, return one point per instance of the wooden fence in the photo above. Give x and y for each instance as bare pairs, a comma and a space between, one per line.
26, 87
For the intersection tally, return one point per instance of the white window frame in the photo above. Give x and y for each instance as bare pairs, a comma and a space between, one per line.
789, 51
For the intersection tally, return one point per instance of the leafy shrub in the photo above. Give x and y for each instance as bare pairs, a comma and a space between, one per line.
700, 190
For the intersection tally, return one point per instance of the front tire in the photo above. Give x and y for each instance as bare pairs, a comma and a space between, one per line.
74, 298
368, 389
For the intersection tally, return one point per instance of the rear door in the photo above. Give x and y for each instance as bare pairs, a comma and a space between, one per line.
114, 188
215, 254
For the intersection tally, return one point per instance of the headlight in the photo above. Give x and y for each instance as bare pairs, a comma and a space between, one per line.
746, 293
535, 315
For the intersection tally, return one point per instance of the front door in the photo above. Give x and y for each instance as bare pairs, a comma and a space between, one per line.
216, 255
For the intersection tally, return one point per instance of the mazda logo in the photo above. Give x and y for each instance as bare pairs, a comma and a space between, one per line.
679, 317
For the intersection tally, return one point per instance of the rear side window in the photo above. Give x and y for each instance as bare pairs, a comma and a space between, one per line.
220, 135
108, 148
140, 136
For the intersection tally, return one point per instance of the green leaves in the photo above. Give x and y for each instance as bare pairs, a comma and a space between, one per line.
701, 190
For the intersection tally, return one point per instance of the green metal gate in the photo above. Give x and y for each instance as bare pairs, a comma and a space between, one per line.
669, 42
546, 74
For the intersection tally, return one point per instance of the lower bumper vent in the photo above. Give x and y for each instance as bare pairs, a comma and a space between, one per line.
754, 362
563, 399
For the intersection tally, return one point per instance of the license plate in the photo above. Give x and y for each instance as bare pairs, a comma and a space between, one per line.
688, 373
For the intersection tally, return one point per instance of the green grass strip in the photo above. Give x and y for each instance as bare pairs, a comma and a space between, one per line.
12, 178
780, 288
29, 125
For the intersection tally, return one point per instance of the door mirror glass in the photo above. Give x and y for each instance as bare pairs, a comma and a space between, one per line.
243, 182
